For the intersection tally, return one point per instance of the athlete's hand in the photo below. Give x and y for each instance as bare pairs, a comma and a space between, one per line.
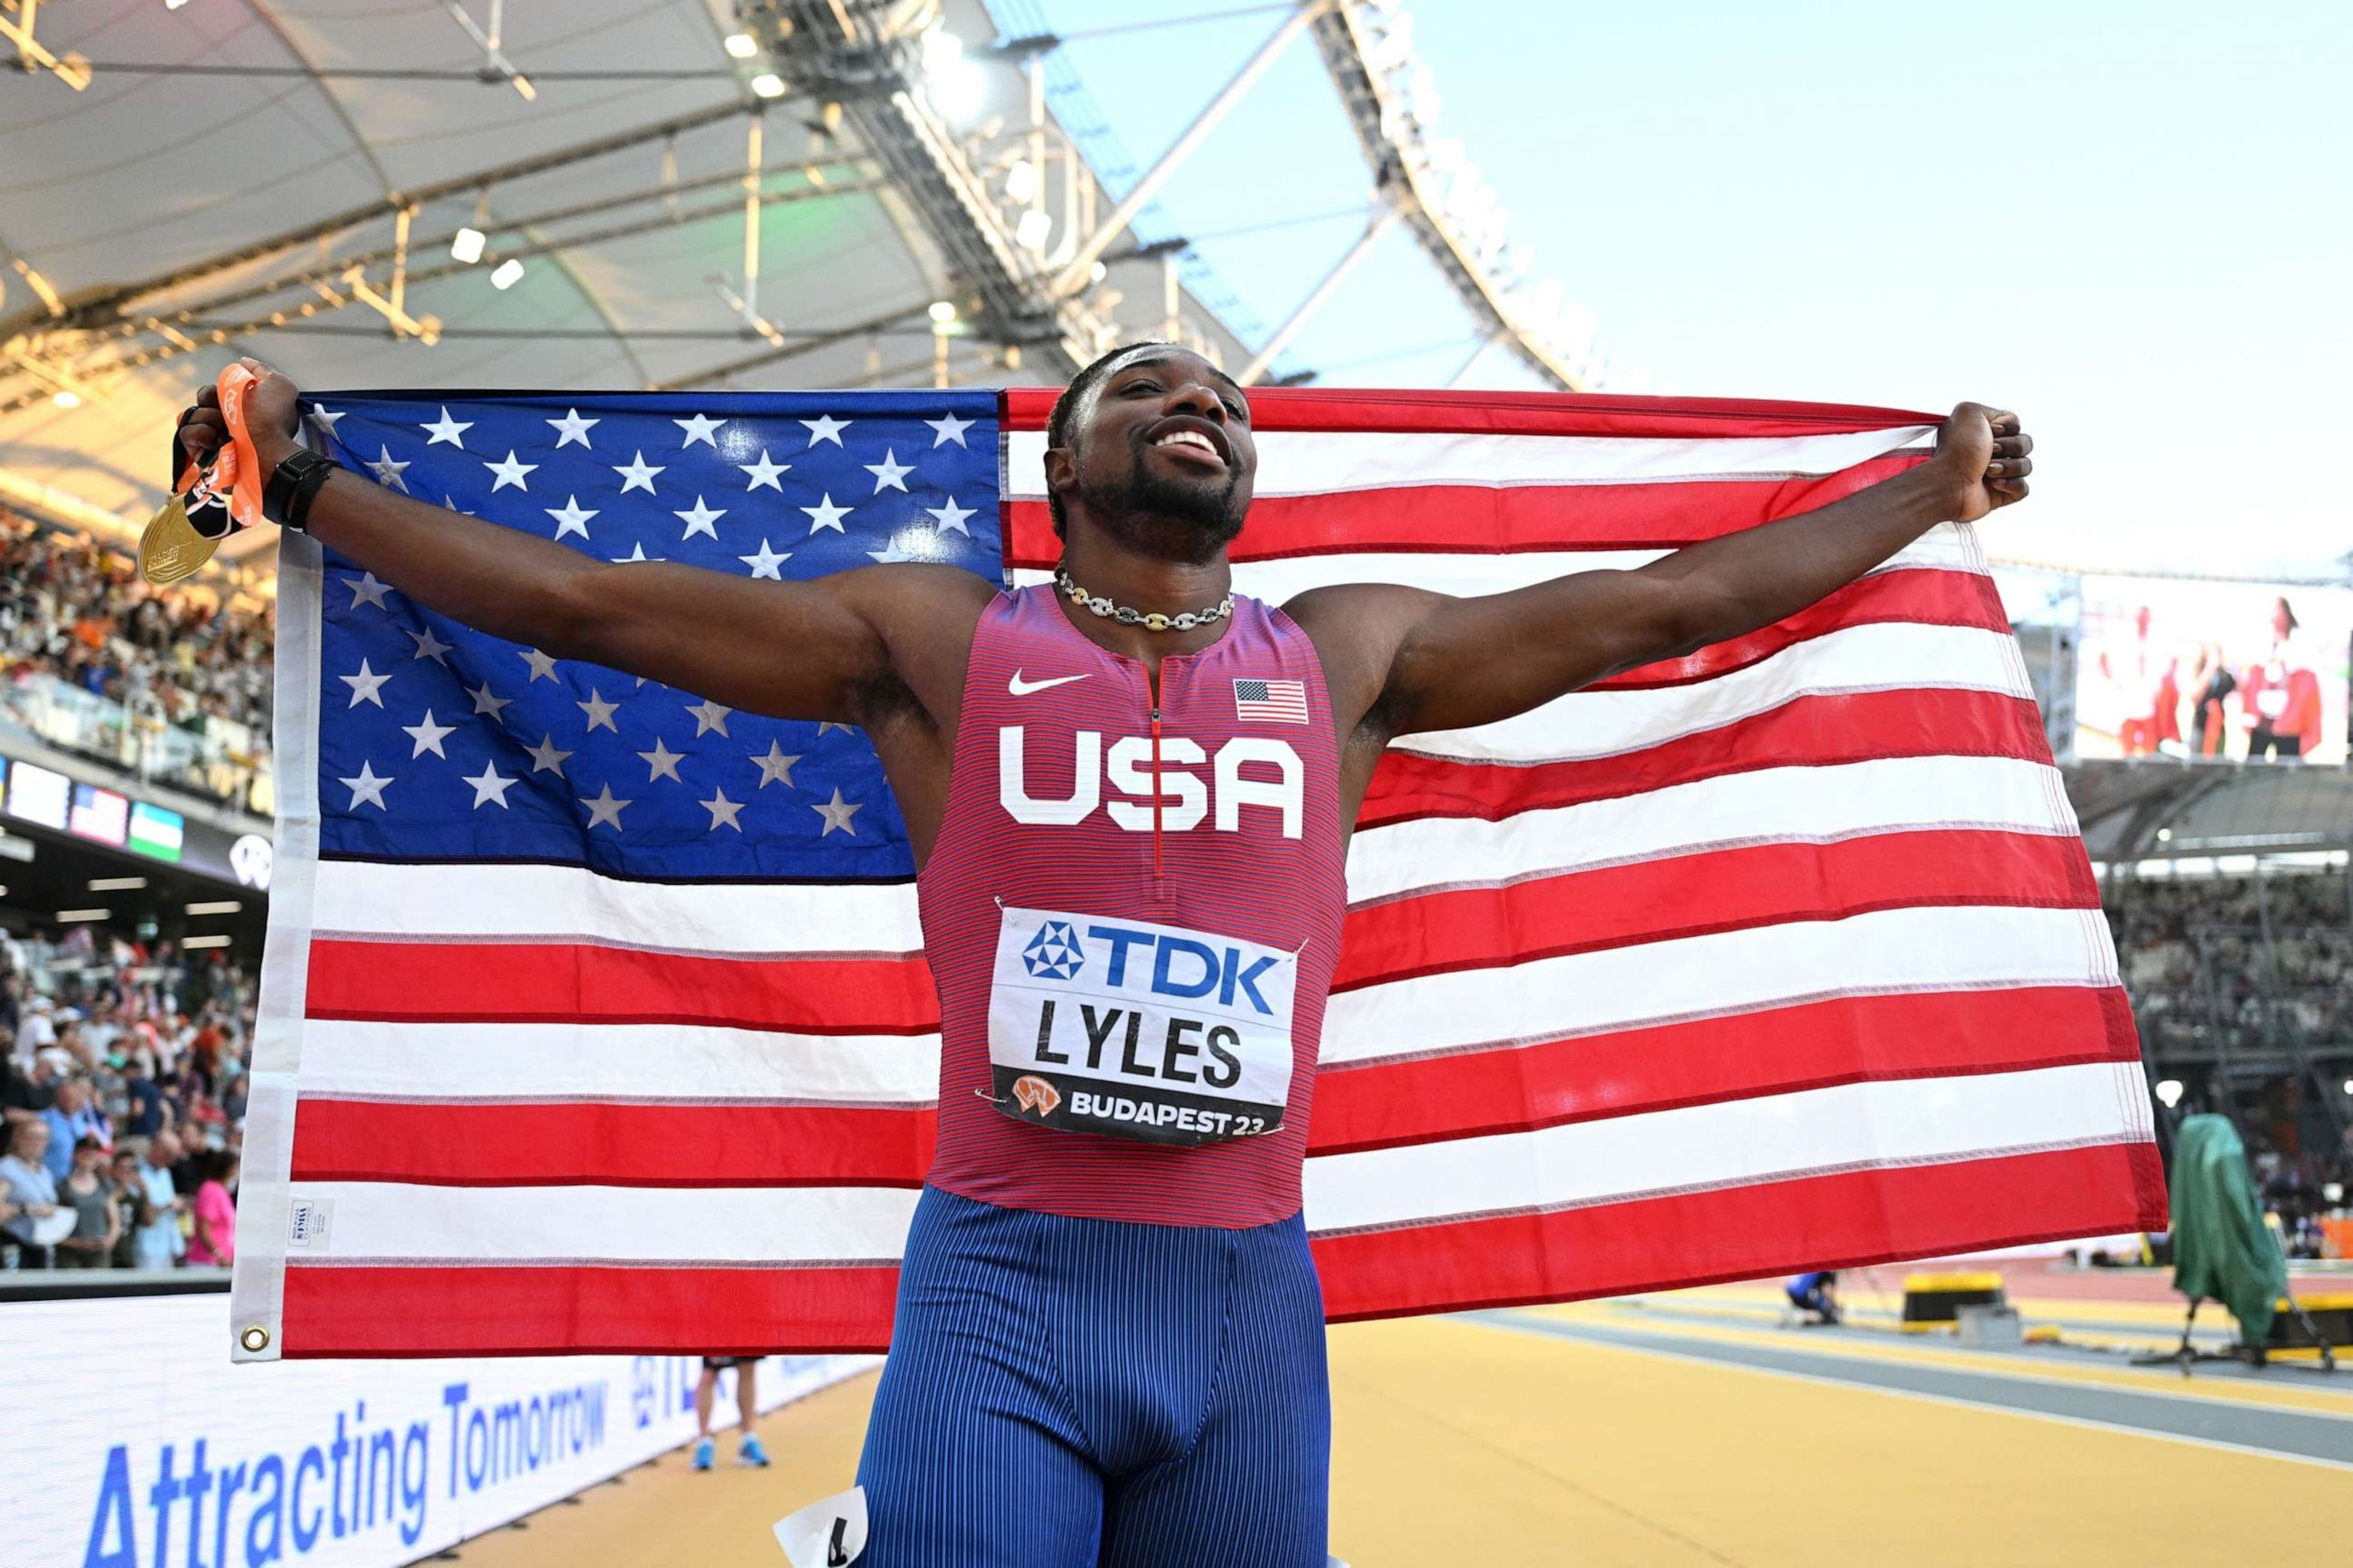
271, 409
1984, 455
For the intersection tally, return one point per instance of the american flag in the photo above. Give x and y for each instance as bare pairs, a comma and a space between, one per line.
1277, 702
595, 1015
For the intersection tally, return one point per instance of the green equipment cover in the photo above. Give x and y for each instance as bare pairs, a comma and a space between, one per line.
2221, 1249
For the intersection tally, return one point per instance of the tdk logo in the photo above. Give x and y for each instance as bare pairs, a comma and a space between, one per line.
1184, 799
1054, 952
1178, 967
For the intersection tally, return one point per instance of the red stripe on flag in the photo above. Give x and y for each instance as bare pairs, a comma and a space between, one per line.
1478, 519
1841, 1221
1780, 1050
569, 1143
1707, 891
1919, 596
1809, 731
565, 982
1524, 413
585, 1309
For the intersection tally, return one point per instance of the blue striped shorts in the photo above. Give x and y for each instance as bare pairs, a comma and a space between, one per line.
1065, 1392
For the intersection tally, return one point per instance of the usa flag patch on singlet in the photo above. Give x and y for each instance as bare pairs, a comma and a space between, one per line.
1276, 702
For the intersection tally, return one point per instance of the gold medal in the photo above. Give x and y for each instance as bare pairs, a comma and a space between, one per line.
171, 550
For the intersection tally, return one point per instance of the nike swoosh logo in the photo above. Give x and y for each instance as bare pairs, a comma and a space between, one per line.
1021, 688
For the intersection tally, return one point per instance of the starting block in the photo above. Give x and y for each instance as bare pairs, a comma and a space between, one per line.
1935, 1300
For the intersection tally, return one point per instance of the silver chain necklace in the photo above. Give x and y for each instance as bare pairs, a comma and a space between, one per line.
1185, 620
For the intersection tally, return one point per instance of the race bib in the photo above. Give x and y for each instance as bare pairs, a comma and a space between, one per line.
1133, 1030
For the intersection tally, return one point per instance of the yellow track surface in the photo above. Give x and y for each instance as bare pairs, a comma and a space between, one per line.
1457, 1441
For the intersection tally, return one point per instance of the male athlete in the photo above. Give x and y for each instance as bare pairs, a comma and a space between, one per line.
1109, 1343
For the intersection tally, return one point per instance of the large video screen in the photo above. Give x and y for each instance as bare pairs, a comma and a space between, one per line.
2226, 671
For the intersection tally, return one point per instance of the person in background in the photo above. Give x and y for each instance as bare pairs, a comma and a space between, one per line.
27, 1190
31, 1089
159, 1242
747, 1370
1816, 1293
96, 1224
36, 1029
71, 1119
129, 1196
2281, 699
2210, 685
213, 1245
148, 1112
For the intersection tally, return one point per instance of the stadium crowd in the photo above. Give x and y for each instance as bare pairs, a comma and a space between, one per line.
126, 1071
183, 658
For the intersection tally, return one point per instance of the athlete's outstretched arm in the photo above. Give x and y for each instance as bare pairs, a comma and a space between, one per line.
1407, 660
817, 649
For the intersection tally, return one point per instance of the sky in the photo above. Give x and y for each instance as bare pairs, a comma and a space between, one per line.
2129, 222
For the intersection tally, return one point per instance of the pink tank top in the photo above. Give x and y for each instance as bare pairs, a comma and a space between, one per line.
1131, 981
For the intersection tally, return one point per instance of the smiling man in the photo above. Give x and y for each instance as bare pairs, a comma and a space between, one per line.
1130, 794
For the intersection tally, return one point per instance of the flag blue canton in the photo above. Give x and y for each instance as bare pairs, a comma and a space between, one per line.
437, 742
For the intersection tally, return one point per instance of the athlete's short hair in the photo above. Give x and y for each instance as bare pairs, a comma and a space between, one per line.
1079, 398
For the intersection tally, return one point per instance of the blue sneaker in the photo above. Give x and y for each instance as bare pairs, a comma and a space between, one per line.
703, 1453
751, 1453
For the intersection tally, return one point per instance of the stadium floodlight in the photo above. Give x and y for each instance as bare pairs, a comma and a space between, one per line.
1021, 181
2169, 1091
64, 399
741, 45
768, 84
1032, 232
952, 81
2348, 1086
467, 246
943, 312
508, 270
2164, 835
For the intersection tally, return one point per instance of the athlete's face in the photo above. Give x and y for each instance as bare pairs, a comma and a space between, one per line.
1162, 458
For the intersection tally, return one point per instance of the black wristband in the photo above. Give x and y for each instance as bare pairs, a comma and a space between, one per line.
286, 498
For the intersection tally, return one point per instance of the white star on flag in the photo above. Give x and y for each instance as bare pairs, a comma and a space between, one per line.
546, 758
572, 427
366, 589
366, 787
827, 514
450, 506
890, 554
700, 520
766, 563
429, 736
446, 430
510, 472
486, 703
429, 646
825, 428
723, 809
542, 667
388, 470
890, 473
948, 428
837, 814
489, 786
605, 809
829, 726
637, 475
777, 767
571, 517
709, 715
764, 472
662, 761
323, 420
364, 686
637, 555
952, 516
599, 710
698, 428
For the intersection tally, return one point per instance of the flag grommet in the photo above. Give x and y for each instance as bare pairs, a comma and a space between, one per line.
255, 1339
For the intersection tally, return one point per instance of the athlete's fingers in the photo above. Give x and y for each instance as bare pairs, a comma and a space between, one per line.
2010, 467
2013, 446
2006, 490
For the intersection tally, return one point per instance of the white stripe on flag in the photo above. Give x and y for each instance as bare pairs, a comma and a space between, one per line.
1315, 463
395, 1222
1911, 949
1903, 1121
638, 1062
1773, 805
514, 903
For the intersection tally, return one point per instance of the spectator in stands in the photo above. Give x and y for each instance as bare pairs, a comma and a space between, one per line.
27, 1192
31, 1089
128, 1195
215, 1242
149, 1112
85, 1190
71, 1119
159, 1244
37, 1031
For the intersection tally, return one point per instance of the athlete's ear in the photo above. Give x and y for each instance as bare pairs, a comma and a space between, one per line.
1061, 471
